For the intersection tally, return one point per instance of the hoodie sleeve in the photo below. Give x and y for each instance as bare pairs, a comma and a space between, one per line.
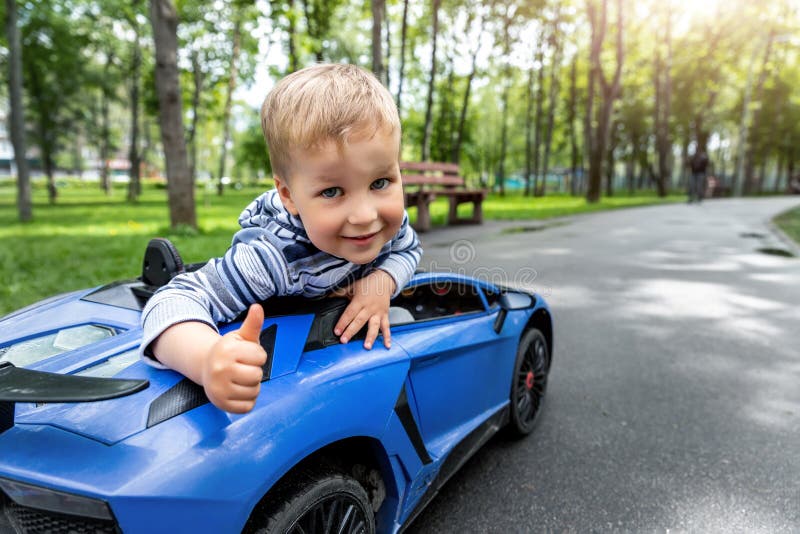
406, 251
219, 291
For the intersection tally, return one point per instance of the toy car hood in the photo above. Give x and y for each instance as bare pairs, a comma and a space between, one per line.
160, 394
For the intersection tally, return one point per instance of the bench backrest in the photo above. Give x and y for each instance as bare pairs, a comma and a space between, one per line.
431, 173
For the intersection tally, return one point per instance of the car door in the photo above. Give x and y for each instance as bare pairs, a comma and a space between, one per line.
455, 376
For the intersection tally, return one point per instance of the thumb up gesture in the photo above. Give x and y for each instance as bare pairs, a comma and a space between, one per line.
232, 372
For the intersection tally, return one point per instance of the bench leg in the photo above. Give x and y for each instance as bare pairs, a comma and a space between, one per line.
477, 211
423, 215
452, 216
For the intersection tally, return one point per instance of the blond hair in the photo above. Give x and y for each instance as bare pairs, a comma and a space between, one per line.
324, 102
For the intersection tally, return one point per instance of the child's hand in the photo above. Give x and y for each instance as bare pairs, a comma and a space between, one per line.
232, 372
369, 303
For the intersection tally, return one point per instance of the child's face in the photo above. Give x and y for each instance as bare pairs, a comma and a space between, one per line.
350, 199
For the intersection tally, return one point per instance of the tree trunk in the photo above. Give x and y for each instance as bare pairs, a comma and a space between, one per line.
610, 160
529, 125
428, 125
597, 138
378, 11
573, 138
630, 170
444, 125
314, 23
226, 115
49, 169
501, 171
191, 134
17, 122
105, 141
749, 149
77, 159
462, 118
538, 121
551, 106
388, 56
180, 185
401, 70
135, 184
663, 109
597, 36
761, 179
45, 132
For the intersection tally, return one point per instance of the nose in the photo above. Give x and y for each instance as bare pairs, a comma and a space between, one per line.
362, 213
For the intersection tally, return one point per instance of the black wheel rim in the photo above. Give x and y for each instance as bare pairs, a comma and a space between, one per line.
531, 381
339, 513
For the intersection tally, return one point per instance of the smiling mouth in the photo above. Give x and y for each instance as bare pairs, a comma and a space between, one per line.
361, 238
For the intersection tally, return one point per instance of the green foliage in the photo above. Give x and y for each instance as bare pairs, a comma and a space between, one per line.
250, 151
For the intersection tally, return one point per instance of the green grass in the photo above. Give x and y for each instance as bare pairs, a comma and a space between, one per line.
89, 238
789, 222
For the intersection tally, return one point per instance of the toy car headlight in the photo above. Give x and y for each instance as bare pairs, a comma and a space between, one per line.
55, 501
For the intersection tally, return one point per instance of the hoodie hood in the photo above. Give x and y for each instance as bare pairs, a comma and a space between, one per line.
268, 212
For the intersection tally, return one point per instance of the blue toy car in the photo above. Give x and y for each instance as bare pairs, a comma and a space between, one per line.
341, 439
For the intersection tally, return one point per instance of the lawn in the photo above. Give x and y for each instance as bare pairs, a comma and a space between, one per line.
789, 222
89, 238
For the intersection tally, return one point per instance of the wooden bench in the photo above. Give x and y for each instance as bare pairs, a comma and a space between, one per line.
424, 181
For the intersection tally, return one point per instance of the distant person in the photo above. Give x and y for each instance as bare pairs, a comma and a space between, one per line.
697, 181
334, 223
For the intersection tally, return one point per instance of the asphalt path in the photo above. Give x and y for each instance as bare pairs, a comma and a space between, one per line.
674, 397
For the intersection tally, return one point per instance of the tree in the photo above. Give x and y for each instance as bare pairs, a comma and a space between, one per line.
598, 127
663, 85
462, 116
555, 69
226, 114
537, 122
135, 184
508, 16
378, 11
748, 146
164, 20
427, 125
55, 75
17, 123
575, 156
401, 69
319, 17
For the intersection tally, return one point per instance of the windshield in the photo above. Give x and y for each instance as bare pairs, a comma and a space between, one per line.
30, 351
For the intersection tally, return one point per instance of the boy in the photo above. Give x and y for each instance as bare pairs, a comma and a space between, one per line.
335, 223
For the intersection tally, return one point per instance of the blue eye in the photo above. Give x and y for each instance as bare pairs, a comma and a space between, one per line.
380, 183
331, 192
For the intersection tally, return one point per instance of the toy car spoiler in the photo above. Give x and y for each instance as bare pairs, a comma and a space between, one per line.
25, 385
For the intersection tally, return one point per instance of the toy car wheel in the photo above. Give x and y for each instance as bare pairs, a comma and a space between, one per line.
529, 382
330, 502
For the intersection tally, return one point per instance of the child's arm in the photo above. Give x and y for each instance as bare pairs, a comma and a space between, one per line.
228, 367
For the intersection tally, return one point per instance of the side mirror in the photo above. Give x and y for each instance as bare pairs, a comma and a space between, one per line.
511, 300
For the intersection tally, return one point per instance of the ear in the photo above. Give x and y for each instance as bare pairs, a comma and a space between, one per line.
285, 193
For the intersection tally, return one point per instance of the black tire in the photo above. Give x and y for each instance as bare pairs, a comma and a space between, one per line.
528, 383
317, 502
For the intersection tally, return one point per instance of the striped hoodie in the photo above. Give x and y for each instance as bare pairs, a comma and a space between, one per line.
270, 256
